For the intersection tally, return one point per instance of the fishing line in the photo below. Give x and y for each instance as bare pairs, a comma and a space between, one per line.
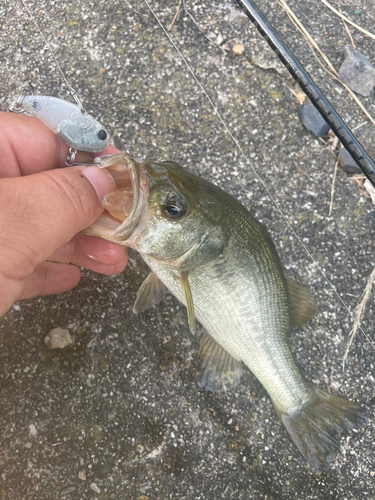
255, 172
70, 88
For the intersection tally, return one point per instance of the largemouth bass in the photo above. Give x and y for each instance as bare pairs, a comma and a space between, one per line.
204, 246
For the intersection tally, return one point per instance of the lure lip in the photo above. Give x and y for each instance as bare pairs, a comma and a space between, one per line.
107, 226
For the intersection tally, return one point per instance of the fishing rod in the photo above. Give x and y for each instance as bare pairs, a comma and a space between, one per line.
330, 115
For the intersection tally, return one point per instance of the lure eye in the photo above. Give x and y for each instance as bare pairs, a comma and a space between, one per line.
174, 209
102, 135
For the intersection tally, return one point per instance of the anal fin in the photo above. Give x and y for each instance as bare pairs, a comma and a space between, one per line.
220, 371
149, 294
302, 304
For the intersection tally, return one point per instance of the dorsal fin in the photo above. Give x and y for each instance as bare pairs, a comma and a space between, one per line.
184, 280
302, 305
220, 371
149, 294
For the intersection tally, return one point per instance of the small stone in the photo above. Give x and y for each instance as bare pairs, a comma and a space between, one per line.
58, 461
67, 490
82, 475
357, 72
28, 445
347, 163
32, 430
95, 487
312, 120
370, 190
58, 338
238, 49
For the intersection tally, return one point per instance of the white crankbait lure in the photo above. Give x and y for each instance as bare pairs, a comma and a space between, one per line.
79, 131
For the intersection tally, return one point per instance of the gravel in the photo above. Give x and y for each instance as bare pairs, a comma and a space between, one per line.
120, 407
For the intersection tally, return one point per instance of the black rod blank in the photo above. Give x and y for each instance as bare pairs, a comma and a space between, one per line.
339, 127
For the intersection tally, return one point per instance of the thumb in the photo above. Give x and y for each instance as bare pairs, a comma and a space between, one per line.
43, 211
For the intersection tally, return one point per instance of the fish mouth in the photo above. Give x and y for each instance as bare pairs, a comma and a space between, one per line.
125, 206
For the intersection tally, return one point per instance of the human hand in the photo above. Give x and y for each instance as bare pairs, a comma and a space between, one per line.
43, 208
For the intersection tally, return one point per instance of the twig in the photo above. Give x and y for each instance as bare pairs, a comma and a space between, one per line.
359, 126
304, 32
359, 180
367, 33
333, 187
311, 42
176, 16
358, 316
347, 30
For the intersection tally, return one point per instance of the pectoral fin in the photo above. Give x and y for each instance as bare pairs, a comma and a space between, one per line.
210, 247
220, 370
188, 299
150, 293
302, 304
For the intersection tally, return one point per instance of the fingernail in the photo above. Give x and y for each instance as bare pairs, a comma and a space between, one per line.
101, 181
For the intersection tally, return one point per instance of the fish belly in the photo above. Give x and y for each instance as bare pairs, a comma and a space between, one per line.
248, 319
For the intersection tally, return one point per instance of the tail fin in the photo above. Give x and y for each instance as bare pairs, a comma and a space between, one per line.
315, 425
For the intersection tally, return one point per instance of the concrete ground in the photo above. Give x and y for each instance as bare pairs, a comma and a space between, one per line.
118, 413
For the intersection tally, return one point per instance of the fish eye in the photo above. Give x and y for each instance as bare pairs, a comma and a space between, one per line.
174, 209
102, 135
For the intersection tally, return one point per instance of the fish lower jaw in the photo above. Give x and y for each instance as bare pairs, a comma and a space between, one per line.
125, 207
